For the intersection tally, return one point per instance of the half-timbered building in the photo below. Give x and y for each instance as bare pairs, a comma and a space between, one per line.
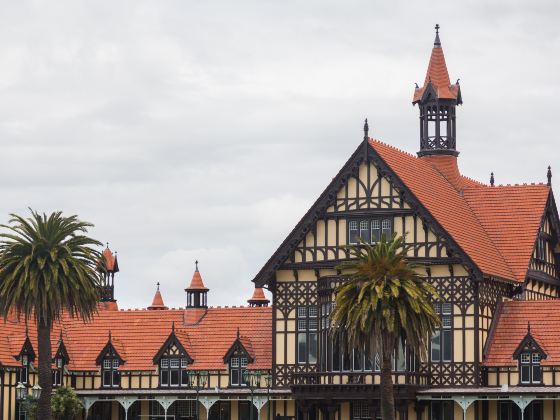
488, 249
491, 251
197, 362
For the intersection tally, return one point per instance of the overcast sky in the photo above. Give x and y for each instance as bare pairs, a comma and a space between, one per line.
205, 129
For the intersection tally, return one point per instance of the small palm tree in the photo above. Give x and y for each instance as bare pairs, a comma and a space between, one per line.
47, 267
384, 304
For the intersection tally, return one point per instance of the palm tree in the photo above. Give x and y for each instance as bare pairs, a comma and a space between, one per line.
384, 304
47, 267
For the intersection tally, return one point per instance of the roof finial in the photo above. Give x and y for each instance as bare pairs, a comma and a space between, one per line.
110, 336
491, 179
173, 326
158, 286
237, 332
528, 327
196, 265
549, 176
366, 130
437, 42
107, 245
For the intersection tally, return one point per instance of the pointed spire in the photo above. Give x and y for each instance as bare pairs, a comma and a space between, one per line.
491, 179
438, 76
549, 176
366, 130
437, 42
258, 298
157, 302
196, 282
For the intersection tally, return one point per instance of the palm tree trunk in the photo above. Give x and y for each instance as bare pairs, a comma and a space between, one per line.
387, 398
45, 373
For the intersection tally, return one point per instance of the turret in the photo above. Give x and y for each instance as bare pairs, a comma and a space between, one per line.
437, 100
110, 267
258, 298
197, 292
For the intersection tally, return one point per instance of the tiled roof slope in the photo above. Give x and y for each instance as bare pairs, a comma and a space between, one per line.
483, 220
511, 329
139, 334
511, 216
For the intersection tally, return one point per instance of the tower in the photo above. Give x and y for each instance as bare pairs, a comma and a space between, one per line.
111, 266
437, 100
197, 292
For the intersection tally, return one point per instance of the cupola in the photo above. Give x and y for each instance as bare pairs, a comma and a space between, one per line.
258, 298
197, 292
437, 100
157, 303
110, 266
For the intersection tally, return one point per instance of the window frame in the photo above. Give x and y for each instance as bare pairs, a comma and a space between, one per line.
443, 336
110, 370
373, 228
527, 363
307, 343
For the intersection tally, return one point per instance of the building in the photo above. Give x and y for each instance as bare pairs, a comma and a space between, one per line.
149, 363
491, 251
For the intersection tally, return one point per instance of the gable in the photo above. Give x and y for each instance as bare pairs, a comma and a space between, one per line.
544, 258
366, 187
172, 347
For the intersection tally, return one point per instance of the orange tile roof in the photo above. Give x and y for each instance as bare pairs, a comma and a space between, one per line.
196, 283
110, 260
511, 216
157, 303
138, 335
258, 296
511, 329
483, 220
437, 76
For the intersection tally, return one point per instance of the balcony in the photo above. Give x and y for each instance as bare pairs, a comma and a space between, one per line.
353, 384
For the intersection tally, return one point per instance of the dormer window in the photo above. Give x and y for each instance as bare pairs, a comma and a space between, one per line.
110, 373
172, 360
173, 372
237, 368
530, 368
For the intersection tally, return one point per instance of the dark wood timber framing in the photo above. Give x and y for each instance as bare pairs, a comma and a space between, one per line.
364, 153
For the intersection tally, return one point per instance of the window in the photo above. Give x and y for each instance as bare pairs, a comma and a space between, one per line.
57, 372
353, 232
172, 371
375, 230
441, 350
237, 369
364, 230
307, 324
530, 368
369, 230
24, 370
360, 410
110, 373
441, 410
